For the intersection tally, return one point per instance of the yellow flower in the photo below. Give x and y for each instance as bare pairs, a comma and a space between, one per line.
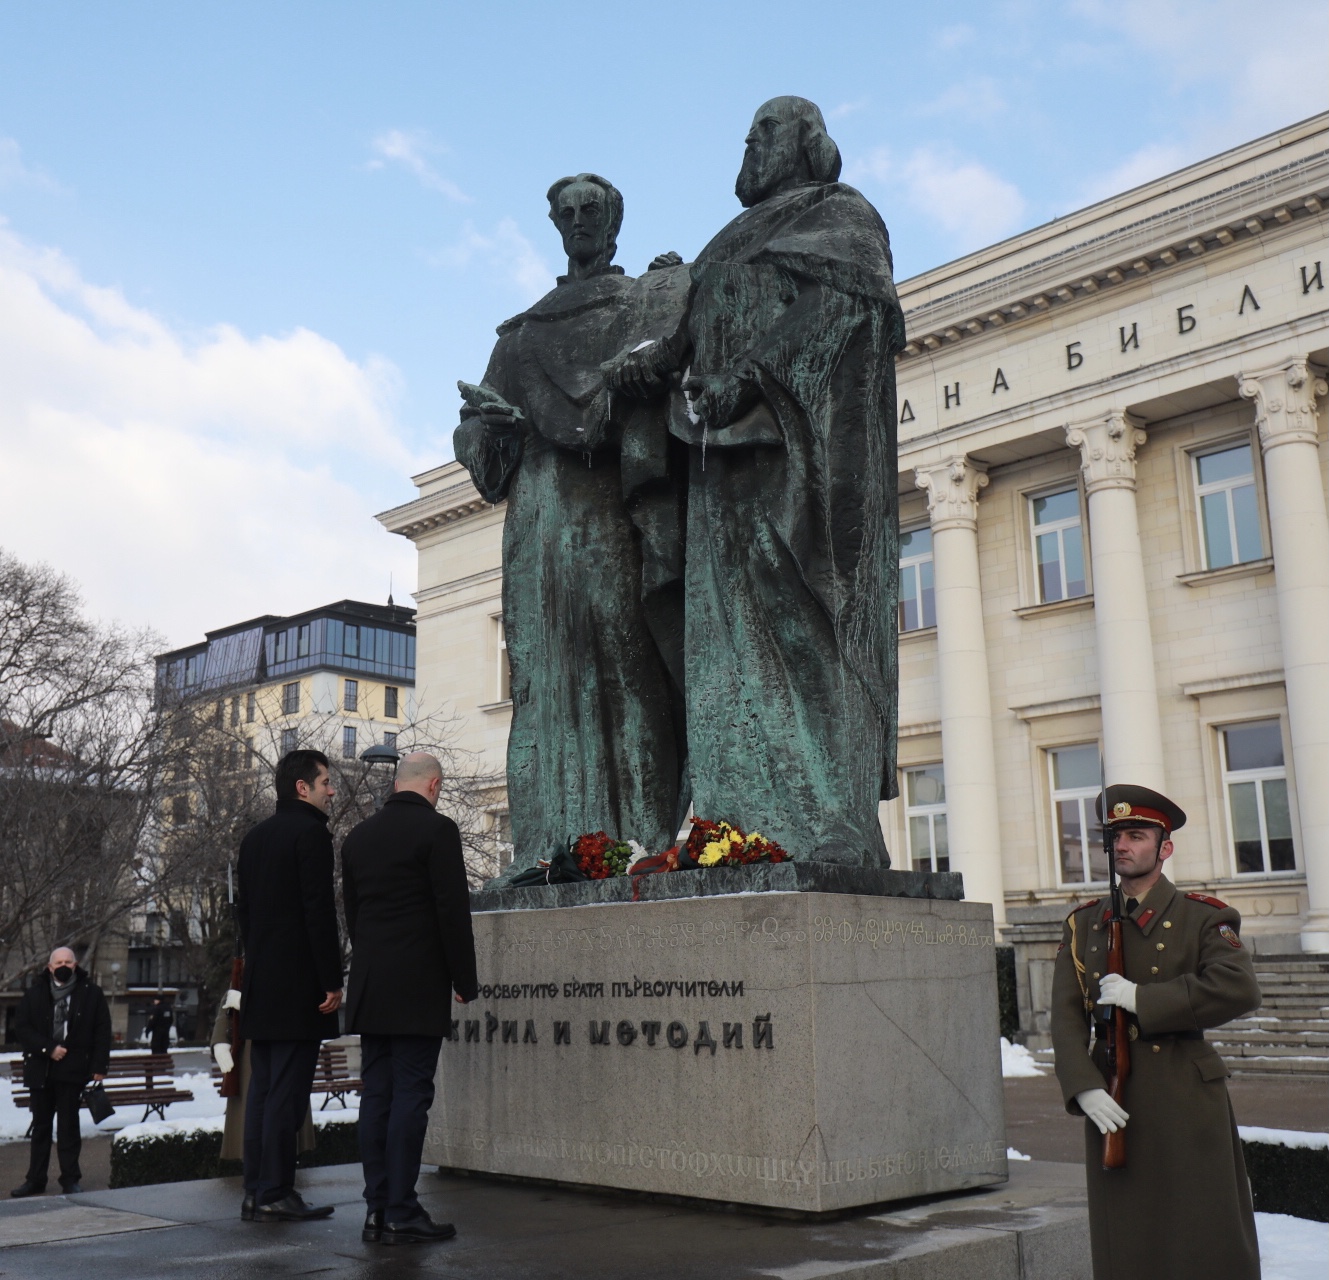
712, 854
755, 836
735, 839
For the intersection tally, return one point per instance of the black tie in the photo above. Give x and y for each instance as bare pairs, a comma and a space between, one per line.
1131, 904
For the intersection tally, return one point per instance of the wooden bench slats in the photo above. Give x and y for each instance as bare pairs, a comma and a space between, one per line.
133, 1080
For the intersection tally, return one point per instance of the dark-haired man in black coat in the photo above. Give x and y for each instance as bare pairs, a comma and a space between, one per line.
293, 985
408, 914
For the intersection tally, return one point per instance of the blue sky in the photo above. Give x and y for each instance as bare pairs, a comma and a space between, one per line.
247, 249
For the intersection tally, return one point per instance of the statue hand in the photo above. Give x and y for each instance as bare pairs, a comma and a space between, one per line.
662, 260
715, 397
635, 373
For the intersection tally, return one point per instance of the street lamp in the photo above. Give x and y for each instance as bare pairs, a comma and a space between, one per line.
382, 754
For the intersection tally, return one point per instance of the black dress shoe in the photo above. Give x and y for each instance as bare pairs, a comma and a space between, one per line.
421, 1229
373, 1231
247, 1207
28, 1189
70, 1188
291, 1208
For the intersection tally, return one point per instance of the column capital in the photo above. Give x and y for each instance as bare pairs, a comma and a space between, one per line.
1107, 450
952, 487
1284, 397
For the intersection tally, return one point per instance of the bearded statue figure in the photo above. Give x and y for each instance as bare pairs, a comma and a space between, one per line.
786, 362
592, 545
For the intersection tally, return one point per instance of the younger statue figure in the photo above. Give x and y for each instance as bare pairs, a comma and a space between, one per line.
595, 743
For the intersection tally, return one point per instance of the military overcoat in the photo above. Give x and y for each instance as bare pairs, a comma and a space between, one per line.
1181, 1207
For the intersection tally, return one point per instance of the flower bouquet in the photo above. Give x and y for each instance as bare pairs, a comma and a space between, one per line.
721, 844
600, 857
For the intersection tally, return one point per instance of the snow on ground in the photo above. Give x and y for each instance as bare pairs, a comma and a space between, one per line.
1291, 1248
1013, 1154
1017, 1061
206, 1105
1284, 1137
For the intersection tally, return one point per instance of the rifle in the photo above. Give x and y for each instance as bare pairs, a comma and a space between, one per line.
1118, 1030
230, 1081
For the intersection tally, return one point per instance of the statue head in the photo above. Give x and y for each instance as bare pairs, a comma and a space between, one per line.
787, 146
588, 211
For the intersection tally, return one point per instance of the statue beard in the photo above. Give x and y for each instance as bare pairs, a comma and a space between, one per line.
759, 175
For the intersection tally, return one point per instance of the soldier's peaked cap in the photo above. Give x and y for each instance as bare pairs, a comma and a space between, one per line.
1132, 806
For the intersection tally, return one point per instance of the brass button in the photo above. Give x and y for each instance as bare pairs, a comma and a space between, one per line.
1095, 928
1158, 946
1098, 975
1167, 924
1158, 1048
1154, 969
1093, 948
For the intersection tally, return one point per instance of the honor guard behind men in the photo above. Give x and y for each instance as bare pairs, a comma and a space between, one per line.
1180, 1205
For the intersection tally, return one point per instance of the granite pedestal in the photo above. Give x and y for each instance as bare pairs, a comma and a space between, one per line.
795, 1049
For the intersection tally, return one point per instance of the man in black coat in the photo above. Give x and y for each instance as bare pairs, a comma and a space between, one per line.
159, 1027
293, 985
64, 1027
408, 914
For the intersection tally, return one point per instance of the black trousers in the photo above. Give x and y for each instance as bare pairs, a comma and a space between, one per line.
280, 1074
56, 1100
397, 1077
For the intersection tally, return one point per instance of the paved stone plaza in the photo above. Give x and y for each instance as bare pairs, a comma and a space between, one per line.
1034, 1228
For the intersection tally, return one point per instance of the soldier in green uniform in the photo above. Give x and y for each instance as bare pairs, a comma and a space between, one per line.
1181, 1207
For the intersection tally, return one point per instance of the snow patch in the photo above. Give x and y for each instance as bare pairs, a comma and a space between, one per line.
1284, 1137
1291, 1248
1017, 1061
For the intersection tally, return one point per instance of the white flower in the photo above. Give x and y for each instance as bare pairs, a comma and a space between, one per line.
638, 853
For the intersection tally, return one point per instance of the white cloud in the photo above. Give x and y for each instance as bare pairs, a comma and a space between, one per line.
968, 200
846, 109
411, 151
505, 250
954, 35
978, 97
14, 171
1151, 161
188, 482
1268, 68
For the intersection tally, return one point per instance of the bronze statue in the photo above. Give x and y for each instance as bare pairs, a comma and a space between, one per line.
591, 545
786, 361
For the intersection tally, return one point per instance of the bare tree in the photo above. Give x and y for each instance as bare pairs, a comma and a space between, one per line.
77, 747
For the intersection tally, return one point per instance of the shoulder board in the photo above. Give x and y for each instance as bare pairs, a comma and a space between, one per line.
1084, 906
1207, 900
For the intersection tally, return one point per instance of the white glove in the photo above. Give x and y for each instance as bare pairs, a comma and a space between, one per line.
1114, 989
231, 1000
1097, 1104
226, 1059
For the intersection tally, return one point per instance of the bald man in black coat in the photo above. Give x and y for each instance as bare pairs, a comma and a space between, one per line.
287, 913
408, 914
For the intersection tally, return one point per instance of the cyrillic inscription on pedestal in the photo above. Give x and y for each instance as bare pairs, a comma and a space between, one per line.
804, 1051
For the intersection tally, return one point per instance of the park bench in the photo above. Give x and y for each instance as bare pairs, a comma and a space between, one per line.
331, 1077
137, 1079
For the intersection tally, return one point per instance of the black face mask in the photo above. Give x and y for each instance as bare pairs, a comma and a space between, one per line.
63, 974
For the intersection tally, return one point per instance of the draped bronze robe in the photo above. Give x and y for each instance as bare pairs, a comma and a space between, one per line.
591, 570
792, 538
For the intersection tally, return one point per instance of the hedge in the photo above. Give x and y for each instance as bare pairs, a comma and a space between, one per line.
1291, 1180
187, 1154
1008, 1004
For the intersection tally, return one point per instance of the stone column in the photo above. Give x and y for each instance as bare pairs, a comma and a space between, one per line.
1284, 399
962, 671
1132, 730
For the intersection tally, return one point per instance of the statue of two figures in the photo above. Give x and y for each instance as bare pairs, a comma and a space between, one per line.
700, 560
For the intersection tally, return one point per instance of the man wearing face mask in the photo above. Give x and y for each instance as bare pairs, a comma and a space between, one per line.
64, 1027
408, 915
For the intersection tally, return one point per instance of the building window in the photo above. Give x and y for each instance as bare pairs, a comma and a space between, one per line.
251, 707
233, 755
179, 810
348, 742
219, 714
925, 818
287, 741
302, 648
1226, 505
1255, 780
502, 668
390, 740
917, 605
1076, 781
350, 700
290, 698
235, 712
390, 697
249, 753
1058, 545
